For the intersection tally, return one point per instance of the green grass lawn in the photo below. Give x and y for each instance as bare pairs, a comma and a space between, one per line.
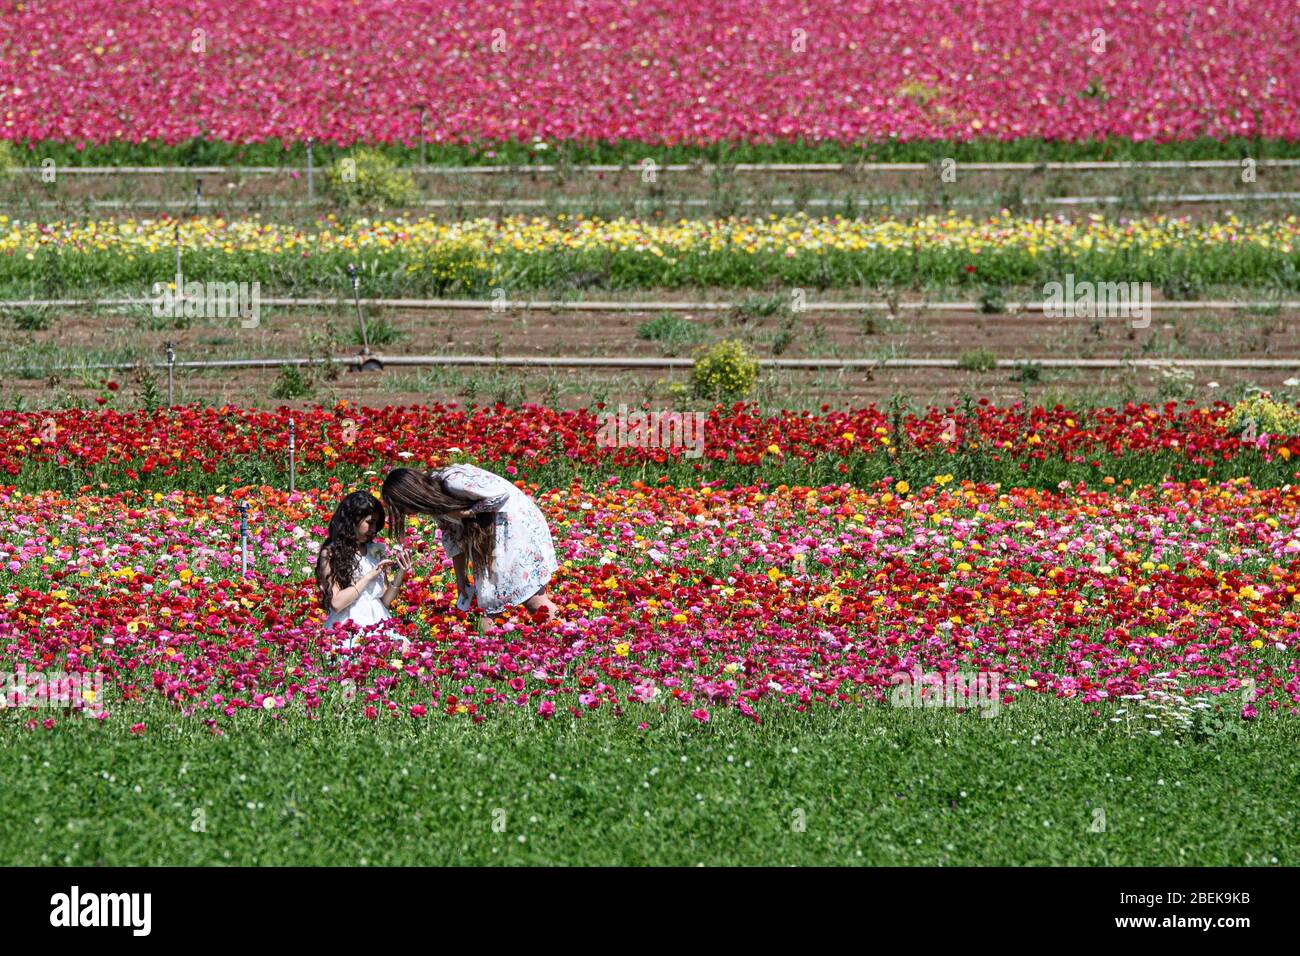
881, 786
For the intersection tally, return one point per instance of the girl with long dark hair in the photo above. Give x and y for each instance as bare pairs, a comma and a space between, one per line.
351, 569
487, 520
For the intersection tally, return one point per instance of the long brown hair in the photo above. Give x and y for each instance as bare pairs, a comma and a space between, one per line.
408, 492
336, 564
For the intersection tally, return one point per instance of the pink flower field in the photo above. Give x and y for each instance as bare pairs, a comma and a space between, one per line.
99, 71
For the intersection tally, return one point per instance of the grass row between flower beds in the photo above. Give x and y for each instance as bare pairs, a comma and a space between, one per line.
1041, 784
276, 153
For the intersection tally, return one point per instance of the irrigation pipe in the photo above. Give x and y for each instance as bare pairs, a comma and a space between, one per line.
505, 305
1078, 166
570, 361
566, 202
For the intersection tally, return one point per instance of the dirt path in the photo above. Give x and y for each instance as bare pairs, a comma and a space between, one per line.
80, 337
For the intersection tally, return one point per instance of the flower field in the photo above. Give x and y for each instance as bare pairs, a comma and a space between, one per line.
90, 71
738, 599
476, 255
749, 598
941, 566
202, 447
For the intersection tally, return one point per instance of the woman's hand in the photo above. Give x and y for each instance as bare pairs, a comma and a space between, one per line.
465, 596
403, 559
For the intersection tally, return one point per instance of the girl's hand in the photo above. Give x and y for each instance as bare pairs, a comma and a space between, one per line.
403, 559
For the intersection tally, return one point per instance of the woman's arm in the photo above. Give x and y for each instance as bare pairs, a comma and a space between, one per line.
341, 598
482, 490
458, 562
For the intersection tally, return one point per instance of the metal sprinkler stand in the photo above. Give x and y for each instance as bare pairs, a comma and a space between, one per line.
292, 447
243, 539
366, 362
311, 172
171, 373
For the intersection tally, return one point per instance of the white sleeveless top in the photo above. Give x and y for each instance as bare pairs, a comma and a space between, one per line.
367, 609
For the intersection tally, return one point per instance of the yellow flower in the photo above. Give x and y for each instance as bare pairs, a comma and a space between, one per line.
622, 648
902, 487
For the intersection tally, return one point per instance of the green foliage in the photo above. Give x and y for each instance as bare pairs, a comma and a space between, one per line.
368, 178
8, 159
1264, 415
1028, 372
978, 360
992, 299
275, 152
760, 307
727, 371
30, 318
921, 787
151, 397
446, 270
784, 336
671, 331
379, 331
1182, 284
411, 271
291, 383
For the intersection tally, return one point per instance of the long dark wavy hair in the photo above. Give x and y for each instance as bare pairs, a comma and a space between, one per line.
336, 564
408, 492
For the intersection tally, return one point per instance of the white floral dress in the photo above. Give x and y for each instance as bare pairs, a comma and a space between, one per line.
524, 557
